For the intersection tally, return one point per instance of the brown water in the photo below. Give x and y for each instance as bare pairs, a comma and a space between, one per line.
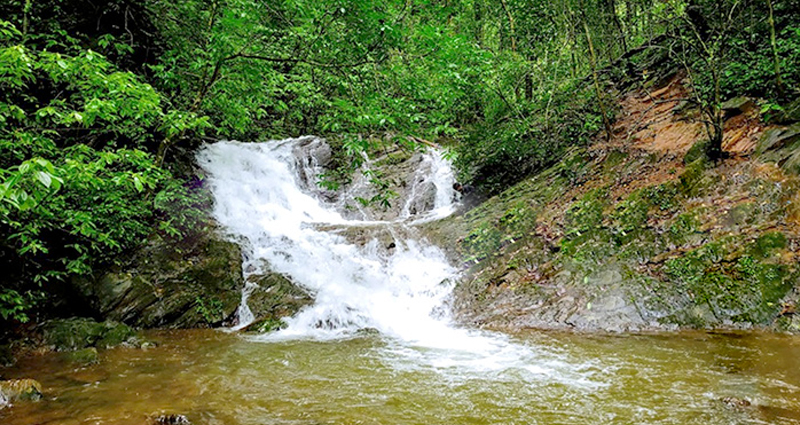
535, 378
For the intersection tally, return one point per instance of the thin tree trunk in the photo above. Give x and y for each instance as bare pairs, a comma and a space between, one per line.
593, 59
510, 25
25, 11
612, 9
772, 38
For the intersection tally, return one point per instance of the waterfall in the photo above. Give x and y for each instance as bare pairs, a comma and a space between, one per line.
264, 197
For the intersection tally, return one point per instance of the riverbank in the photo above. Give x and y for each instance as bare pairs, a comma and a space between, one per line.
642, 231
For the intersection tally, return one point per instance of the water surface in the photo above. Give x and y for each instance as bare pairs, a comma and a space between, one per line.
534, 378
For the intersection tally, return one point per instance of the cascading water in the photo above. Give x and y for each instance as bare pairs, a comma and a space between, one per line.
264, 198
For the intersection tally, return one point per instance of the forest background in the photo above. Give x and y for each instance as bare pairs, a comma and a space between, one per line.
103, 102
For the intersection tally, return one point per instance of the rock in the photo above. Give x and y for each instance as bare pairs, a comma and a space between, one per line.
86, 356
79, 332
274, 298
115, 334
790, 113
735, 402
170, 420
21, 390
777, 138
7, 357
72, 334
166, 287
737, 105
697, 151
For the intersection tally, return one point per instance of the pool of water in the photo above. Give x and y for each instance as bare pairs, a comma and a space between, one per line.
214, 377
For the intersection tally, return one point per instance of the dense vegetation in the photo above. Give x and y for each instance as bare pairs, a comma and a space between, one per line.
100, 101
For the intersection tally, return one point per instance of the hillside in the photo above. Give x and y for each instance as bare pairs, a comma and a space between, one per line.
642, 231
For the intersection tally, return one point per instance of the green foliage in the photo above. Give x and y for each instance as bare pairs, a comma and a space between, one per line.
210, 309
76, 178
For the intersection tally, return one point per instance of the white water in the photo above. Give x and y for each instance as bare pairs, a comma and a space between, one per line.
400, 292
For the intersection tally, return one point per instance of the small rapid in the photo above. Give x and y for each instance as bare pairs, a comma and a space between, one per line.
266, 200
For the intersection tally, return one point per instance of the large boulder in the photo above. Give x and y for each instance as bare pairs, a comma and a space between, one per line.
166, 286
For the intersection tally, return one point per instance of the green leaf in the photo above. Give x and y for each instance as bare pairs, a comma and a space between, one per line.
44, 178
138, 183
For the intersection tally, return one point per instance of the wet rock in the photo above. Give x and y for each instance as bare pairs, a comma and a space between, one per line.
79, 332
737, 105
735, 402
85, 357
21, 390
314, 151
172, 419
275, 297
163, 286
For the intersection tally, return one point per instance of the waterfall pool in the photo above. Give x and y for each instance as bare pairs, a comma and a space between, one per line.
215, 377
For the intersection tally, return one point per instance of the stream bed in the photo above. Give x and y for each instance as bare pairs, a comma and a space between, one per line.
214, 377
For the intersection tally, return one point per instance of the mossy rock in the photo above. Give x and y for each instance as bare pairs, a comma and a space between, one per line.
778, 138
84, 357
737, 105
73, 333
274, 298
266, 325
790, 113
698, 151
115, 334
79, 332
7, 357
693, 180
161, 285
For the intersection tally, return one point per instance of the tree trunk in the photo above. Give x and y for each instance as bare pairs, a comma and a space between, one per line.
593, 62
512, 31
772, 39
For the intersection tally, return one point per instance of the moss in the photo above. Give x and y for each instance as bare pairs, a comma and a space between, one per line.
77, 333
629, 216
613, 159
766, 244
697, 152
482, 241
394, 158
731, 283
85, 356
683, 226
115, 334
663, 197
585, 214
690, 181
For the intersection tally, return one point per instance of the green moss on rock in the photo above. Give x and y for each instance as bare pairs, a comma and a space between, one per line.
161, 285
84, 357
79, 332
